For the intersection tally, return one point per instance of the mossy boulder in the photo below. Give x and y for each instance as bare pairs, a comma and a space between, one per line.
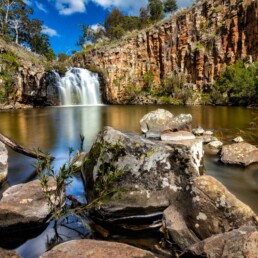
129, 176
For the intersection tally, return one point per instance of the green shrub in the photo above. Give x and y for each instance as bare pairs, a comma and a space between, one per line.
239, 83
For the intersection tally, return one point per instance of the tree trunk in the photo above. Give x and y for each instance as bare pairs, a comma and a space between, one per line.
23, 150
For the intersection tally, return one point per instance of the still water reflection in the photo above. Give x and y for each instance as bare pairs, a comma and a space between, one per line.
56, 129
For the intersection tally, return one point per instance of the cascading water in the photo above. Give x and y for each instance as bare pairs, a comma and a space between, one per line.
78, 87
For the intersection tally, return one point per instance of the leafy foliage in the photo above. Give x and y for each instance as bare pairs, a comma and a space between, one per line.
155, 8
8, 68
55, 193
239, 84
17, 26
169, 6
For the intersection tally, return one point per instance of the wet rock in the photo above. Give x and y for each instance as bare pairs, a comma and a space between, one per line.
208, 132
208, 208
241, 153
8, 253
242, 242
3, 163
176, 136
23, 206
198, 131
155, 122
149, 173
238, 139
94, 248
181, 122
215, 145
207, 138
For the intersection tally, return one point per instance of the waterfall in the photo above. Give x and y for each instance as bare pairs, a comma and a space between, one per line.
78, 87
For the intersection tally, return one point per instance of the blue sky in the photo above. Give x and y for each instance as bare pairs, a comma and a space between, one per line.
62, 18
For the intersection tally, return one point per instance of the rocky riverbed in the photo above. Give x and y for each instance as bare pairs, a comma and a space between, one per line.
142, 183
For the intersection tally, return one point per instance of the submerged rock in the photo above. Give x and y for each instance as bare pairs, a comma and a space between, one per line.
23, 206
155, 122
99, 249
208, 208
148, 174
241, 153
3, 163
215, 145
242, 242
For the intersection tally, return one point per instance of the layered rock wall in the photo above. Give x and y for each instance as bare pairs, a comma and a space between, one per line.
197, 43
23, 75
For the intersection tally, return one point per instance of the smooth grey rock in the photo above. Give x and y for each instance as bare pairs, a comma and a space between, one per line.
154, 172
96, 249
242, 242
208, 132
207, 138
23, 206
206, 208
3, 163
241, 153
215, 144
198, 131
177, 136
238, 139
155, 122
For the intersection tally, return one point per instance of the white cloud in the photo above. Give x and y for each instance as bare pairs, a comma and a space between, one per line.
50, 32
132, 7
68, 7
129, 6
41, 7
97, 26
27, 2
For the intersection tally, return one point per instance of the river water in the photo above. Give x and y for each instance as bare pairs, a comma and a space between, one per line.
56, 129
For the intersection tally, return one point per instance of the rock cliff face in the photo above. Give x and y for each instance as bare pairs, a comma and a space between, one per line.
197, 43
30, 83
22, 75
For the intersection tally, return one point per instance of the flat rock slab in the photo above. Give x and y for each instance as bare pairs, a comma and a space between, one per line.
8, 253
96, 249
177, 136
241, 153
242, 242
3, 163
23, 206
155, 122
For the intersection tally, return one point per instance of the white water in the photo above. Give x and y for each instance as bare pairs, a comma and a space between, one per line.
78, 87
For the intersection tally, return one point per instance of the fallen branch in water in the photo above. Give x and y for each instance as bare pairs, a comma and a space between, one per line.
23, 150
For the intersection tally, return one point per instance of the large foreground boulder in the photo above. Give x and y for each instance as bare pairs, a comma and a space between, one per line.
155, 122
94, 248
241, 153
205, 208
23, 206
3, 163
143, 176
242, 242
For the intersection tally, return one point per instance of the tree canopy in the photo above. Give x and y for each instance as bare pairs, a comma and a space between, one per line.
16, 25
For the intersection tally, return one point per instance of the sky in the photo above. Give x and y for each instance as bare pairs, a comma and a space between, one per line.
62, 18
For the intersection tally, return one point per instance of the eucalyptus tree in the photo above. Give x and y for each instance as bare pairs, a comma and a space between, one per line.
169, 6
155, 8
